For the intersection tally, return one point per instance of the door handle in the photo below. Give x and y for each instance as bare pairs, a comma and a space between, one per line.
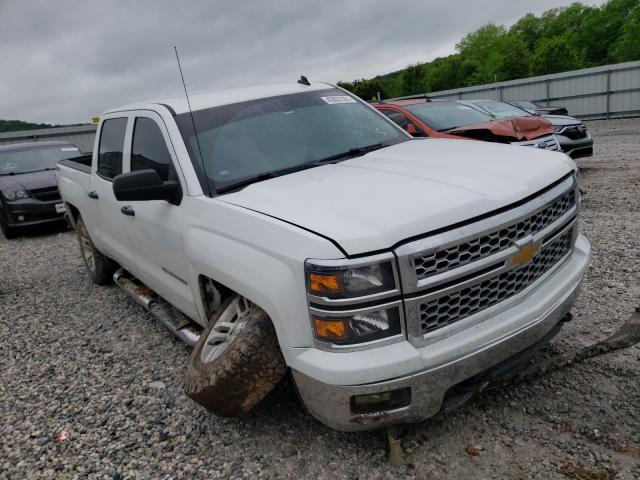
93, 195
127, 210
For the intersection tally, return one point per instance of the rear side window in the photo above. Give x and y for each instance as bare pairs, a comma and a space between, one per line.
111, 146
398, 118
149, 149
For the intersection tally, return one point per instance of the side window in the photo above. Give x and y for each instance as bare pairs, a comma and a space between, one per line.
406, 124
111, 146
149, 149
396, 117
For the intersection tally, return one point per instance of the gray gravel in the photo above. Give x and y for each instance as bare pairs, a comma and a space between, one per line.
86, 360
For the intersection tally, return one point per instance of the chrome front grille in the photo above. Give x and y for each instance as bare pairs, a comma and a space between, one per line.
462, 303
548, 142
471, 250
450, 277
574, 132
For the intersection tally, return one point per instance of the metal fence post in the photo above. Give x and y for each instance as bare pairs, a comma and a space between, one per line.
547, 87
608, 90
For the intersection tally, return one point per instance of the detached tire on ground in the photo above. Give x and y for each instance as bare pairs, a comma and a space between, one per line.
100, 267
237, 360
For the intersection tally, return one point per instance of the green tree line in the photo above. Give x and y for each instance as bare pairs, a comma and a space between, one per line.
561, 39
17, 125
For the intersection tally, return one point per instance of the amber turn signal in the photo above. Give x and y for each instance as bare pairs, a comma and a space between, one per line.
319, 283
331, 329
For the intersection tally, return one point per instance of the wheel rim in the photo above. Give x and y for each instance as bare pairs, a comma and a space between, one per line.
231, 322
86, 247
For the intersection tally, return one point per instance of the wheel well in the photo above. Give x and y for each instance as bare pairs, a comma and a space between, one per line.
73, 213
212, 294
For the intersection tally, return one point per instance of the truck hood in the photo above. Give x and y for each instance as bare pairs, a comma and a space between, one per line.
28, 181
518, 128
378, 200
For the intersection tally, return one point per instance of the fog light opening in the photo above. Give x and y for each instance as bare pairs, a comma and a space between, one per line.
380, 402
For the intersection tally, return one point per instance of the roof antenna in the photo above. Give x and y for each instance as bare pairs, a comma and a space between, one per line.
193, 123
303, 80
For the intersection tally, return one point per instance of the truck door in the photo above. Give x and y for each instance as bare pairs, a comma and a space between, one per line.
109, 232
157, 226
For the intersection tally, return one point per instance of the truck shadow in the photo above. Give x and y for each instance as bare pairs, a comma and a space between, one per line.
36, 231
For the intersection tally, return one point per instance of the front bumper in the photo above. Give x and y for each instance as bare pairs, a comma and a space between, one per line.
442, 365
30, 211
579, 148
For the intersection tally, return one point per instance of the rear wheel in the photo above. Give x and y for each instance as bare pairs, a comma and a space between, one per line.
237, 360
100, 267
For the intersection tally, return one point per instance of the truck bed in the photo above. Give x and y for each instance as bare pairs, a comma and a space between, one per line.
82, 163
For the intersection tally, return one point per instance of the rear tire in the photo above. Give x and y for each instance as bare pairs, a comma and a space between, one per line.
100, 267
237, 360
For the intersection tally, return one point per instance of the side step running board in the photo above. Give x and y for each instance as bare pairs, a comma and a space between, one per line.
181, 326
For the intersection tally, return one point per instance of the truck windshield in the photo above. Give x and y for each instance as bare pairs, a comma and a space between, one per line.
34, 158
443, 116
251, 141
502, 110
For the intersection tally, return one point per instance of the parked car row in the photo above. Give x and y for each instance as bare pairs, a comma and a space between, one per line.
489, 120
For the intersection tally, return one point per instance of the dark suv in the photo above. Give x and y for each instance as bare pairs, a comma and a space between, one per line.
28, 190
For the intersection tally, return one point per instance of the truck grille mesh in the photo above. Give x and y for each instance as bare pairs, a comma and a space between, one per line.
456, 305
493, 242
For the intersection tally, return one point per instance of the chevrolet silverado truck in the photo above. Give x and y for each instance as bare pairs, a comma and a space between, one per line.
292, 227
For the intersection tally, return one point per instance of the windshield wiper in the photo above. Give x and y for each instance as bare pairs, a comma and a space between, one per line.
450, 128
353, 152
267, 176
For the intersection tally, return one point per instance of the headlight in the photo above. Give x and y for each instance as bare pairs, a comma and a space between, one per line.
356, 326
354, 301
334, 281
558, 129
15, 195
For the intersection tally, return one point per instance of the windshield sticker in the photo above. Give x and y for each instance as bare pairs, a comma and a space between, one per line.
69, 149
338, 99
9, 166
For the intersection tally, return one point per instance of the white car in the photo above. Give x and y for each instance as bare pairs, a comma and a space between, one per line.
294, 227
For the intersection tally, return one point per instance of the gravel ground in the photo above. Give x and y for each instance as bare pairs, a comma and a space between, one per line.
86, 360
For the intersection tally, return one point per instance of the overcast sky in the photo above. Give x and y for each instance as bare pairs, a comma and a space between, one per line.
64, 61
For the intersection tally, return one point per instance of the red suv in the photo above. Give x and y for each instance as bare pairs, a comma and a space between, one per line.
423, 117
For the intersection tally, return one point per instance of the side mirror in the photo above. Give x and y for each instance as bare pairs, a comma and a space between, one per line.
411, 129
144, 185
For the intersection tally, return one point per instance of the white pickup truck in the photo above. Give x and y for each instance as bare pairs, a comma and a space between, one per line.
295, 227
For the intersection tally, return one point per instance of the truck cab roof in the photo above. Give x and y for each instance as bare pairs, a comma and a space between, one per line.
222, 96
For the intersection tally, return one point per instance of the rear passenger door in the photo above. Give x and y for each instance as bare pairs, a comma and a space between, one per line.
109, 232
156, 227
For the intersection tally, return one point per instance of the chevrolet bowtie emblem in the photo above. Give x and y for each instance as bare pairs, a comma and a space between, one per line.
526, 254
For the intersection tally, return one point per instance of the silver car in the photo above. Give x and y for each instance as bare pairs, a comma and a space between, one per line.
572, 135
